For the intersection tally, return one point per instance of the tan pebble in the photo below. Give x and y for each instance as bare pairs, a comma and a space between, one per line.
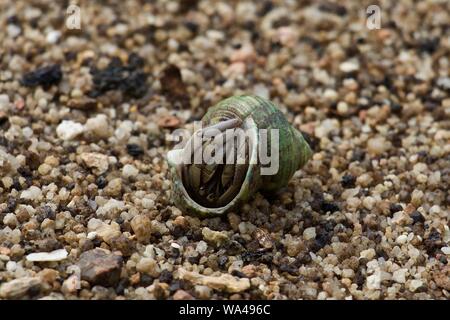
182, 295
249, 270
142, 227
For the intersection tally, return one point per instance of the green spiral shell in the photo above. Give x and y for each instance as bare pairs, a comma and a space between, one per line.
257, 113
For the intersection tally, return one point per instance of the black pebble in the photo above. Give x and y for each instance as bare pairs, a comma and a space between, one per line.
175, 253
396, 108
302, 259
395, 208
45, 76
289, 268
120, 289
101, 182
429, 45
134, 150
348, 181
25, 172
166, 276
358, 155
333, 8
177, 231
13, 20
223, 261
239, 274
48, 212
193, 259
11, 204
191, 26
146, 280
328, 206
417, 217
129, 79
266, 8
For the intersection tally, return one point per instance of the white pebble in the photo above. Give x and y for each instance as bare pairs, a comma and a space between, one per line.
201, 247
349, 66
309, 233
435, 209
261, 90
13, 30
56, 255
402, 239
373, 282
129, 171
415, 284
148, 203
399, 275
98, 125
10, 220
369, 203
11, 266
68, 130
53, 36
32, 193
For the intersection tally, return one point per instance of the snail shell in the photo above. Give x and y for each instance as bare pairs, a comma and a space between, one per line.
250, 113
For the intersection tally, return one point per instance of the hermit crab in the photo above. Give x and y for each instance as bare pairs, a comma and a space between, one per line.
245, 145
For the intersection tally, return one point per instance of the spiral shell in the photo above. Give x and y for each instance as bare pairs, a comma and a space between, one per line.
251, 113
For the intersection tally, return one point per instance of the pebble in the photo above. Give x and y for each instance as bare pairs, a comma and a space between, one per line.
217, 238
110, 209
249, 271
114, 188
201, 247
129, 171
222, 282
402, 239
442, 278
96, 161
262, 91
13, 30
69, 130
32, 193
368, 254
142, 227
100, 267
349, 66
203, 292
18, 288
374, 282
53, 36
99, 126
399, 275
415, 284
149, 266
104, 231
182, 295
56, 255
44, 169
309, 233
377, 146
71, 285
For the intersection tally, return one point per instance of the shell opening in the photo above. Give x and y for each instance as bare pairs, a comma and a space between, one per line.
217, 186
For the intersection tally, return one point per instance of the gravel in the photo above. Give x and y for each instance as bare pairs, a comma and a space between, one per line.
85, 121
